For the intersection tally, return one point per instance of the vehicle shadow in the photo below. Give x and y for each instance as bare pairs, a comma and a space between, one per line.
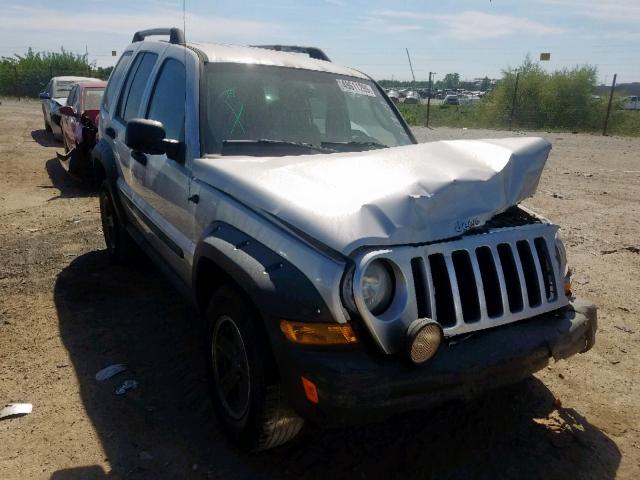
65, 183
45, 139
165, 428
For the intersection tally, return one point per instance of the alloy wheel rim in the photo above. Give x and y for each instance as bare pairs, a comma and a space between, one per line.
231, 368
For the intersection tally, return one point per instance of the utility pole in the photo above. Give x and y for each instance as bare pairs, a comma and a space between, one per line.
513, 103
411, 66
606, 118
429, 98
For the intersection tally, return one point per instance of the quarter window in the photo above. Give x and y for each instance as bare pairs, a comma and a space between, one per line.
115, 77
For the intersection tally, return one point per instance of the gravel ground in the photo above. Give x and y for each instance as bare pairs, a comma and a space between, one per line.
65, 314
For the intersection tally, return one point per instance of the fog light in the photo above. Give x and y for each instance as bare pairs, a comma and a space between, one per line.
423, 339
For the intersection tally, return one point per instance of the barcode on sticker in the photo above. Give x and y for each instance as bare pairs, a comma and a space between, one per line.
358, 88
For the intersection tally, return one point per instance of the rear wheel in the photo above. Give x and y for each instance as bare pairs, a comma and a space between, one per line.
120, 246
250, 405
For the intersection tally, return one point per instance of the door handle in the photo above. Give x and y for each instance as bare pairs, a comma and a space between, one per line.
109, 131
139, 157
195, 198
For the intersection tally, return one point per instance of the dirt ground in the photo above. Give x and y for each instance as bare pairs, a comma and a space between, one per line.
65, 313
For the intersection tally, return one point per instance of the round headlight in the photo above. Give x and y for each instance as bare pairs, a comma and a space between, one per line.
377, 286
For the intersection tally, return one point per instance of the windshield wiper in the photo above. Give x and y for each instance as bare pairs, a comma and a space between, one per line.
355, 144
277, 143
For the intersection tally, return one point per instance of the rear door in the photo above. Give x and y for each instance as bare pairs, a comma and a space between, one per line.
127, 107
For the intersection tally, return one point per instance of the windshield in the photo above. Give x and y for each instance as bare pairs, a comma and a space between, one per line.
62, 88
250, 103
92, 98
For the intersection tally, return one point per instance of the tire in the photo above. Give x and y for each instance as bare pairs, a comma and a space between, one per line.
120, 246
251, 407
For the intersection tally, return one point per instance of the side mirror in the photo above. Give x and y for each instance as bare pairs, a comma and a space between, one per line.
148, 136
145, 136
67, 110
44, 96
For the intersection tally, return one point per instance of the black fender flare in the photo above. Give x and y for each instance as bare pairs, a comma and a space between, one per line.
277, 288
102, 155
103, 160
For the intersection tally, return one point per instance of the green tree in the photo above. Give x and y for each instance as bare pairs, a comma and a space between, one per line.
451, 81
27, 75
561, 99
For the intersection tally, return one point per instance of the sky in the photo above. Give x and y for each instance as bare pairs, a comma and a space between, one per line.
472, 37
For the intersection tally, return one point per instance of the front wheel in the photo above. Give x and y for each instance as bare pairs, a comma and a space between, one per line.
247, 398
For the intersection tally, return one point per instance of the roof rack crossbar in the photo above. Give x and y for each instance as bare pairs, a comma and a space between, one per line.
175, 35
313, 52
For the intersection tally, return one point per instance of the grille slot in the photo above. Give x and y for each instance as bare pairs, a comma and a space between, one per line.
530, 273
549, 281
511, 278
420, 284
488, 279
466, 286
445, 310
490, 282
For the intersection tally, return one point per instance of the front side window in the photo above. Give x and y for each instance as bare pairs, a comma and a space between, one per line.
252, 103
135, 84
167, 103
72, 96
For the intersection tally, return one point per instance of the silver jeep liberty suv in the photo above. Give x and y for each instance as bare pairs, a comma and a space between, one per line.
343, 272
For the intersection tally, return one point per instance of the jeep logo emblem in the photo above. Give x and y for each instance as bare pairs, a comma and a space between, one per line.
468, 224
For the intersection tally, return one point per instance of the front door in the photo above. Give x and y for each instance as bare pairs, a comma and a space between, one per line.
166, 185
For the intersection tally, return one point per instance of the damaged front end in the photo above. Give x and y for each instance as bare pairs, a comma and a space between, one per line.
507, 270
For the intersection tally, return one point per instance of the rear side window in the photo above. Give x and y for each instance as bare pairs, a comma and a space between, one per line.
92, 98
115, 77
135, 84
167, 99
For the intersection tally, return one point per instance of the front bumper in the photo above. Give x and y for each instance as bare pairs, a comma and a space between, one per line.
355, 386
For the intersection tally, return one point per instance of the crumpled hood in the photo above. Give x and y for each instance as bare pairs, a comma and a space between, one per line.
392, 196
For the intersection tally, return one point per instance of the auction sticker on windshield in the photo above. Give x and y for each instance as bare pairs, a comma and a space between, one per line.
358, 88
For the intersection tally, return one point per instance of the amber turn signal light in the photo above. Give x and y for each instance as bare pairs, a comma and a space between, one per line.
318, 333
310, 390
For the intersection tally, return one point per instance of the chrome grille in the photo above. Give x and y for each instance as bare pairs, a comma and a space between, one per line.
481, 281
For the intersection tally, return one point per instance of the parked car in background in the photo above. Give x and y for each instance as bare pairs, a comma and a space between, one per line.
471, 99
451, 100
631, 103
412, 98
79, 120
394, 96
55, 96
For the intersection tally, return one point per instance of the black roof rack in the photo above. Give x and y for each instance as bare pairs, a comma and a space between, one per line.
175, 35
313, 52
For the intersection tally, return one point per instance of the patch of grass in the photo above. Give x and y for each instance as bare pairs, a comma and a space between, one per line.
621, 122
